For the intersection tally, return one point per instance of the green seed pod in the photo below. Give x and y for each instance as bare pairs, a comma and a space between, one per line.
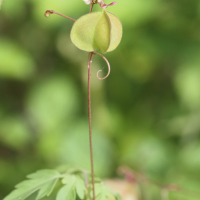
97, 30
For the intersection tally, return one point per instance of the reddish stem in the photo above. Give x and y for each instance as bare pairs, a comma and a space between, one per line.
89, 112
89, 115
48, 12
90, 123
91, 7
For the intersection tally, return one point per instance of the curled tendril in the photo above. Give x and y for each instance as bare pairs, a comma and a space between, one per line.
108, 64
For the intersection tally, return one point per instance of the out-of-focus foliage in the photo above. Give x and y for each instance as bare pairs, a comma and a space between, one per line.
1, 3
145, 115
70, 183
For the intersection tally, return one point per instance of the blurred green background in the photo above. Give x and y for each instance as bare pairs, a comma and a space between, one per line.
145, 115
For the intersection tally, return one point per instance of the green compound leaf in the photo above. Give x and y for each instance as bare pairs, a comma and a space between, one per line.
77, 183
97, 30
104, 193
117, 197
67, 192
47, 189
69, 180
80, 187
43, 180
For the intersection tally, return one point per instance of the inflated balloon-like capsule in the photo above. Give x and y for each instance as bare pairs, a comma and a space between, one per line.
97, 30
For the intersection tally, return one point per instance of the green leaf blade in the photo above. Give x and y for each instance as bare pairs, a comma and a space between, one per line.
69, 179
67, 192
47, 189
104, 193
117, 196
80, 187
77, 183
37, 181
24, 189
44, 174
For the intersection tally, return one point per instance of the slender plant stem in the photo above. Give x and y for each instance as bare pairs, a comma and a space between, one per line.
91, 6
63, 15
90, 123
48, 12
89, 113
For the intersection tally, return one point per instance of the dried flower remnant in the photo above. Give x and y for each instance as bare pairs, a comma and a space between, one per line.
87, 1
92, 1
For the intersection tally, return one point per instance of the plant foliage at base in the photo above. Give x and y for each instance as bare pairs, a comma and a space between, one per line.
74, 184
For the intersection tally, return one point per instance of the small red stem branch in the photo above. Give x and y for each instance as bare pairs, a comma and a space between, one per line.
48, 12
91, 7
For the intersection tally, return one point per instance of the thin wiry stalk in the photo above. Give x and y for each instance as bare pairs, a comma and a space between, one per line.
89, 112
91, 7
48, 12
90, 123
89, 115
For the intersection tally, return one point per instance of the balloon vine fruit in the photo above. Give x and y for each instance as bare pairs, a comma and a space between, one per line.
97, 30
